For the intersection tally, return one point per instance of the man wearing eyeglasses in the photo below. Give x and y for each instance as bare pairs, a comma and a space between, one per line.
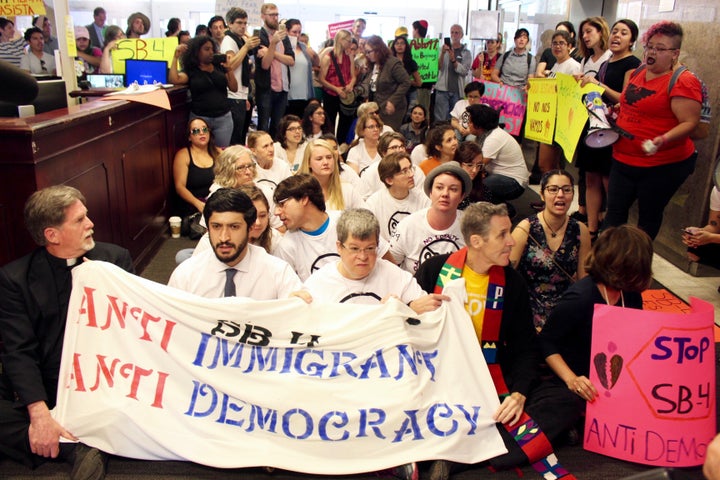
310, 242
359, 277
36, 60
399, 198
454, 65
234, 267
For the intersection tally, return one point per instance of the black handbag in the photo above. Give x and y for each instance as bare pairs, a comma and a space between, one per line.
191, 228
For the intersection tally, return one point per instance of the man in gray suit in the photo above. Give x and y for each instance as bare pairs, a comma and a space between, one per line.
35, 292
97, 28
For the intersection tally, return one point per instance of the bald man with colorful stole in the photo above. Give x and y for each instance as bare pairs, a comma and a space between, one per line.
532, 413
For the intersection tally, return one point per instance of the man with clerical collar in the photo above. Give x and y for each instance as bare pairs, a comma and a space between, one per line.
359, 277
498, 305
234, 267
311, 240
35, 292
434, 230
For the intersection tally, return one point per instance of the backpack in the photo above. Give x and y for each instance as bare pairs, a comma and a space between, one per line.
702, 130
507, 54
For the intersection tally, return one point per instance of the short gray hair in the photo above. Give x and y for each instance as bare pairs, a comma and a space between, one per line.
46, 208
358, 222
476, 219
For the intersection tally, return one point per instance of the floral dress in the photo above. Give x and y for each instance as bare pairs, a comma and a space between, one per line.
547, 273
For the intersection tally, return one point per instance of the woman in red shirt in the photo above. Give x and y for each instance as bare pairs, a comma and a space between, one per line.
652, 165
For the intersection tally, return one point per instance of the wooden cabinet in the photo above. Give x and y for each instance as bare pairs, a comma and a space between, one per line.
118, 153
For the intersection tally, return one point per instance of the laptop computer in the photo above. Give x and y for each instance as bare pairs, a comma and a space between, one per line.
145, 72
106, 81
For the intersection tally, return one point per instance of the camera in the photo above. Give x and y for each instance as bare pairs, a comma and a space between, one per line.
219, 58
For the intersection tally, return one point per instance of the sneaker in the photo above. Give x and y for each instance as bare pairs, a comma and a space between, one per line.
88, 463
440, 470
409, 471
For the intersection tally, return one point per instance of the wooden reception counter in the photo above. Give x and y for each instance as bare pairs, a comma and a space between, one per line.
118, 153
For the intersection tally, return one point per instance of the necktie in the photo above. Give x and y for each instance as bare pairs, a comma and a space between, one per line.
230, 282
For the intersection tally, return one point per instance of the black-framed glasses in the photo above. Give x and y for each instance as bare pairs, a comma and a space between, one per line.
554, 189
559, 44
198, 131
43, 66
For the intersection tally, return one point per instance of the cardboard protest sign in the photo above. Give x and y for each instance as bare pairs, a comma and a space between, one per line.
252, 7
512, 100
143, 49
426, 53
154, 373
11, 8
655, 374
571, 115
542, 109
333, 28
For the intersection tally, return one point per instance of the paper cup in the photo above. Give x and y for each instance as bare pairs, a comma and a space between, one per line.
175, 226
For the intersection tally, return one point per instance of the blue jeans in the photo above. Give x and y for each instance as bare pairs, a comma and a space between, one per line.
503, 188
652, 187
221, 128
271, 108
444, 103
263, 102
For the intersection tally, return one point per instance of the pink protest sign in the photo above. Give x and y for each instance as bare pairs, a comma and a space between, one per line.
655, 376
513, 101
334, 27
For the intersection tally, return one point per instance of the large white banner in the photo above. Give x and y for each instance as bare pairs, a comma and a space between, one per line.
153, 373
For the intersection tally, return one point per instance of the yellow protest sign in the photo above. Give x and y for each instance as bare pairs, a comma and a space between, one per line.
70, 36
11, 8
143, 49
541, 110
571, 114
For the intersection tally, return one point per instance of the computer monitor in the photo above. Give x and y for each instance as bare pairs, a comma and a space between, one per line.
106, 81
51, 96
145, 72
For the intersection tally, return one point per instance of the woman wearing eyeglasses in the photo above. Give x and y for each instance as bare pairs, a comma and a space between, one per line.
193, 167
290, 141
364, 149
387, 82
652, 165
550, 247
35, 60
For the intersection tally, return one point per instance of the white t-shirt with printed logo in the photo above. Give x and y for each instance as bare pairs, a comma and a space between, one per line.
307, 253
327, 285
415, 241
390, 211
